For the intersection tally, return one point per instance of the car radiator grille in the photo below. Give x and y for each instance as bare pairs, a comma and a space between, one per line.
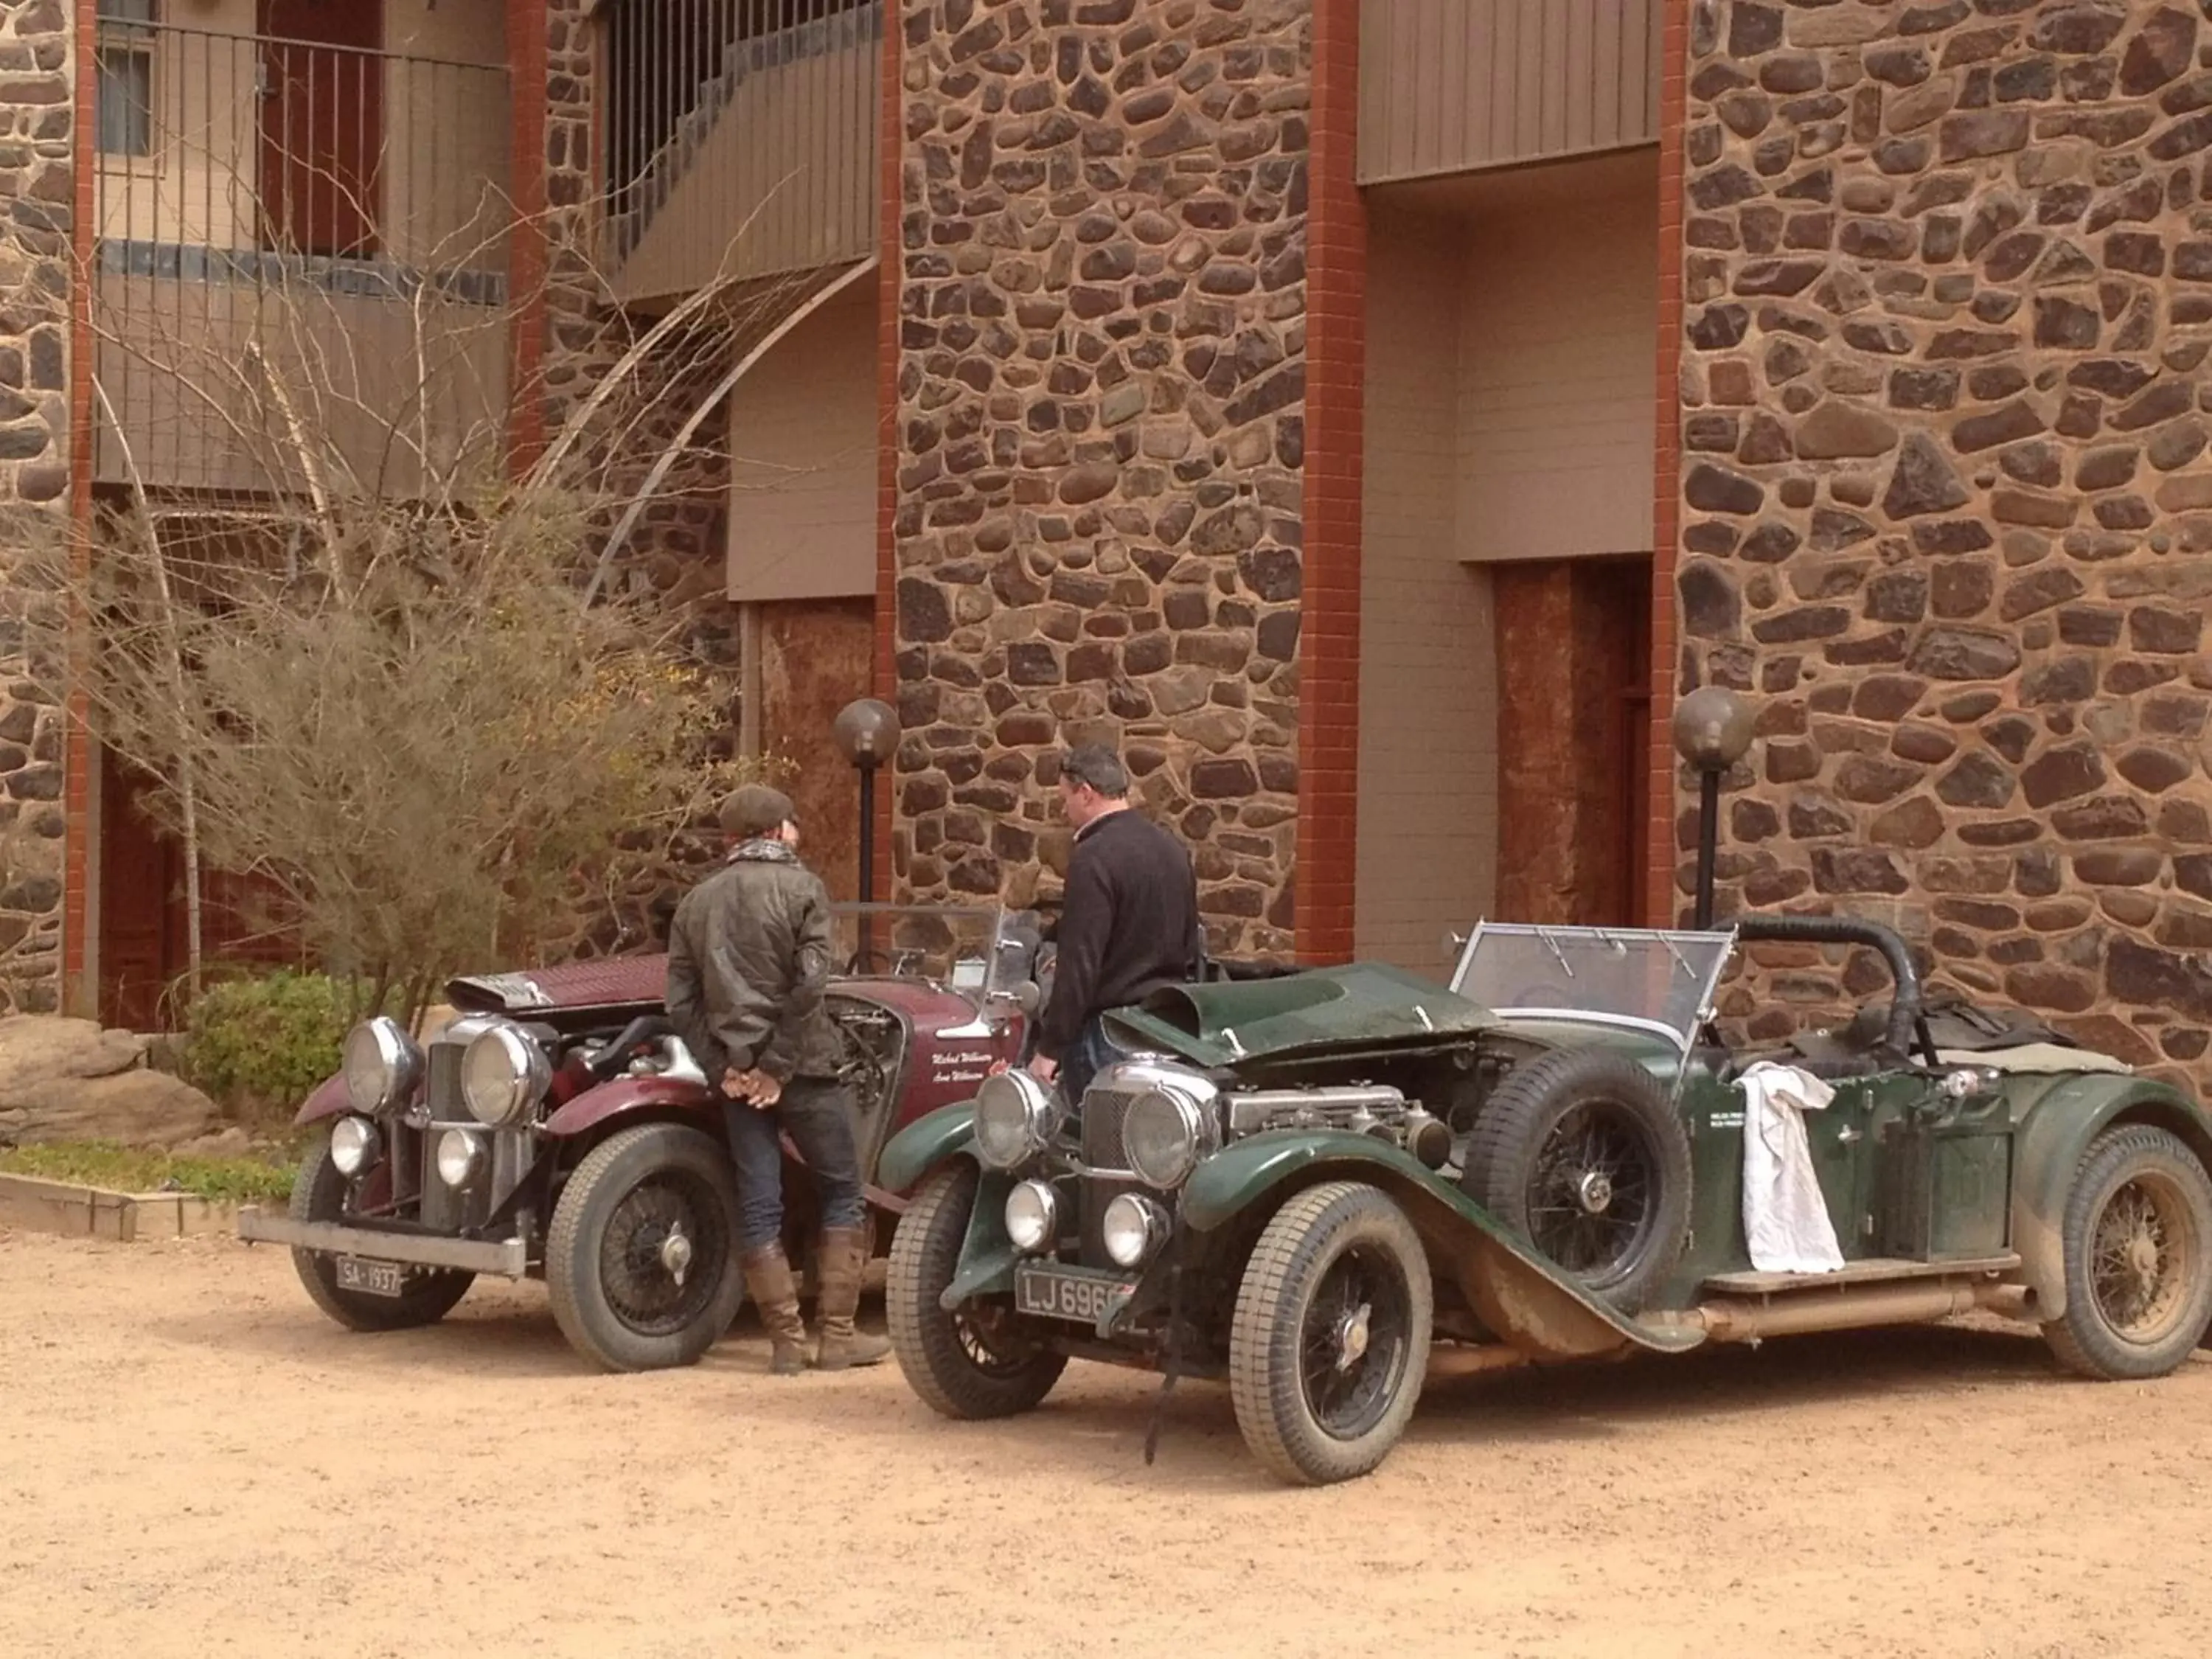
444, 1094
1104, 1110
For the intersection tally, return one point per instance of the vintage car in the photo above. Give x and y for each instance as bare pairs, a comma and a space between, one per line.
558, 1128
1299, 1185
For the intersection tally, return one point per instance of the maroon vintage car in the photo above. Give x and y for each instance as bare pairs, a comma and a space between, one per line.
558, 1128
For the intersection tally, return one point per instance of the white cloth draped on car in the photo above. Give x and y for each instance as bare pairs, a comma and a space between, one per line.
1785, 1218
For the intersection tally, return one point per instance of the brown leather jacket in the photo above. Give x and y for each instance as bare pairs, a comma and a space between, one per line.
749, 964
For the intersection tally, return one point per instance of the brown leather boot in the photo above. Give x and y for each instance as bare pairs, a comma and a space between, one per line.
768, 1277
841, 1260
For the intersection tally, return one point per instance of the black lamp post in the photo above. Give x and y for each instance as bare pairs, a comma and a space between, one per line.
868, 732
1712, 730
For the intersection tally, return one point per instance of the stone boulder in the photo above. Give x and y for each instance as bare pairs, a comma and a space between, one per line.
67, 1079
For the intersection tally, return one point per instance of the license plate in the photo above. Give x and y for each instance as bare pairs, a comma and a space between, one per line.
1059, 1293
370, 1278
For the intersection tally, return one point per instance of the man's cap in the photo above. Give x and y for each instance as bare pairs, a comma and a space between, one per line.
756, 810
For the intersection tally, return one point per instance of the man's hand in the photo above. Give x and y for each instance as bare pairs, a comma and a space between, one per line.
1043, 1068
755, 1087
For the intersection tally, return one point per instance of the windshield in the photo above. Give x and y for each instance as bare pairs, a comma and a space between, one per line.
979, 950
1618, 974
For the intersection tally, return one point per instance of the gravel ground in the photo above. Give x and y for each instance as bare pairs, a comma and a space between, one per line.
192, 1461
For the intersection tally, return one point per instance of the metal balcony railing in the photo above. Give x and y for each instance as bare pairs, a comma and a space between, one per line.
740, 136
294, 222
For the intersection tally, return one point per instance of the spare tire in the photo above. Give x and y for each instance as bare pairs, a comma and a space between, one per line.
1580, 1151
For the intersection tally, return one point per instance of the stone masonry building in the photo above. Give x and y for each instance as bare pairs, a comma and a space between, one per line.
1372, 417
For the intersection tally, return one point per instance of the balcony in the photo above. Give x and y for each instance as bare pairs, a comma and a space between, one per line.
740, 138
300, 246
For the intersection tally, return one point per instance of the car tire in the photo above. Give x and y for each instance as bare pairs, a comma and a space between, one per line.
429, 1293
1331, 1264
943, 1352
2136, 1234
615, 1295
1580, 1152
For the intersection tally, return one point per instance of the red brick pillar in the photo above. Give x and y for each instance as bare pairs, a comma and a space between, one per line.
1336, 349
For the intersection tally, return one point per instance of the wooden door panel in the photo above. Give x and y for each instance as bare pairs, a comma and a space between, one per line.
322, 125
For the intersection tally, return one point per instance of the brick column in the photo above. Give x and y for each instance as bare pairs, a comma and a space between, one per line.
1666, 480
1336, 360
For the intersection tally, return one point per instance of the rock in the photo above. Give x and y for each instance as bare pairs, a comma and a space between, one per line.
1922, 481
1835, 430
132, 1108
1960, 653
2161, 50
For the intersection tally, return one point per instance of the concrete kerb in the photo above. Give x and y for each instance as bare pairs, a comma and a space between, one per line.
33, 1205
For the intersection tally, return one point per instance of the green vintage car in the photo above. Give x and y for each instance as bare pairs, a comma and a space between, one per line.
1304, 1184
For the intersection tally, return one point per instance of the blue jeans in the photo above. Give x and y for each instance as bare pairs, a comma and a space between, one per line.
1087, 1056
817, 1113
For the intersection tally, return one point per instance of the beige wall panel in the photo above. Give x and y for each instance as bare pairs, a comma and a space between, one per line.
802, 518
1557, 376
1428, 753
1448, 85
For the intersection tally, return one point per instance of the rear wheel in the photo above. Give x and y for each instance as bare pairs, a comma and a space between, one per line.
1580, 1151
971, 1361
642, 1260
1330, 1339
426, 1295
2137, 1237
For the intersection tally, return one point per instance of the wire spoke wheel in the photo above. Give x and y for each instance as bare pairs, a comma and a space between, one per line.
1592, 1189
2137, 1269
1351, 1348
657, 1253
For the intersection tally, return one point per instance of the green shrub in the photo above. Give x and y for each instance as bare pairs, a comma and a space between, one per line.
258, 1045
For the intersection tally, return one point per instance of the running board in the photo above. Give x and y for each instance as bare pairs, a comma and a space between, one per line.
1876, 1270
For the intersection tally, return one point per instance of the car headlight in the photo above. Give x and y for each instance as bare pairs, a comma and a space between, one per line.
381, 1065
1033, 1216
503, 1075
460, 1157
1134, 1229
1015, 1118
353, 1145
1165, 1135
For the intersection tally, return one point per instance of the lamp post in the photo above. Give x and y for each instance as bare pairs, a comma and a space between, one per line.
868, 732
1712, 730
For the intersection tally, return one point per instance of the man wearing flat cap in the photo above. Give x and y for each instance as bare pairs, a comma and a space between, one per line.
748, 967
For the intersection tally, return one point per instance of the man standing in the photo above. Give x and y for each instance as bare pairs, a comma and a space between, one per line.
748, 966
1129, 924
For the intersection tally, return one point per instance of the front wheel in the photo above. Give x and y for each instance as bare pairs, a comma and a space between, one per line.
971, 1363
1330, 1339
426, 1295
641, 1261
2137, 1237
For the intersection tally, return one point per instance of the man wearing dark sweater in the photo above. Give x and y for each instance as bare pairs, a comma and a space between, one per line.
1129, 924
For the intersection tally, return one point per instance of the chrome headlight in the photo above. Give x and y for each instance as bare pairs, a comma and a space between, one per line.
1165, 1133
1016, 1117
460, 1157
354, 1146
503, 1075
1033, 1216
381, 1065
1134, 1229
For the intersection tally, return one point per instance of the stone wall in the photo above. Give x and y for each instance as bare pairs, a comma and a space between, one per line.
1101, 433
37, 191
1948, 301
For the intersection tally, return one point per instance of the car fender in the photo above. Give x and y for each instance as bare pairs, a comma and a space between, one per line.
924, 1144
328, 1099
630, 1096
1530, 1303
2047, 1149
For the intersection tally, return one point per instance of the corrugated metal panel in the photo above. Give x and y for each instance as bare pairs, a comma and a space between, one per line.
743, 138
1449, 85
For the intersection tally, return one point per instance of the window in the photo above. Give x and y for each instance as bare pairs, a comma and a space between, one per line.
125, 85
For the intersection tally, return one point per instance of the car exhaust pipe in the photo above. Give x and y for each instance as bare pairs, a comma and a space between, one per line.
1802, 1312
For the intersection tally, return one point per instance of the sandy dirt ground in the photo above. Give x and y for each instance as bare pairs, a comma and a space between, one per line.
193, 1462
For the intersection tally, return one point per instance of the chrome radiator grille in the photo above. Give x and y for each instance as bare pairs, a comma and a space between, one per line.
1103, 1109
444, 1090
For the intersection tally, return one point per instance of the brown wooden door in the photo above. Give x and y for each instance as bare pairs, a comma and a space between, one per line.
322, 125
142, 879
